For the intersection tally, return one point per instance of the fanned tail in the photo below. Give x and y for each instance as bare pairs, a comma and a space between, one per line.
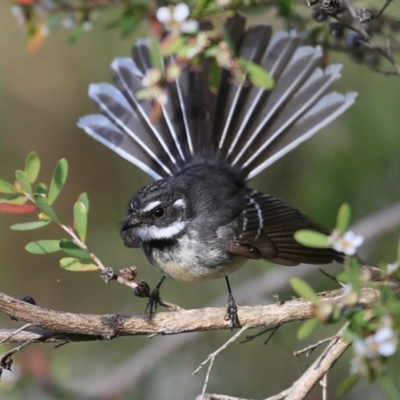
246, 126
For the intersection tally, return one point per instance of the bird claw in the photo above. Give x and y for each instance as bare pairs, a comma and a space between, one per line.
231, 313
152, 303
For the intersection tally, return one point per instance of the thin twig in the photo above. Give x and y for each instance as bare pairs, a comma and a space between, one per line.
223, 347
324, 384
385, 6
309, 349
211, 358
273, 330
15, 332
18, 348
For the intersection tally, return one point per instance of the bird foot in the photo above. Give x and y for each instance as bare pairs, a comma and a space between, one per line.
231, 312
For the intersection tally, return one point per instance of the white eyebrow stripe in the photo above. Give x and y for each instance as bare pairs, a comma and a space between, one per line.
180, 203
151, 205
147, 233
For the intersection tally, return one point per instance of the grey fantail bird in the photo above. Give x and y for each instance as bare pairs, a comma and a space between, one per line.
199, 220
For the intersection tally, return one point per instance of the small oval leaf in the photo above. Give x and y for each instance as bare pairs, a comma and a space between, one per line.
27, 226
74, 264
155, 53
84, 199
72, 249
41, 188
311, 238
43, 246
171, 44
24, 182
41, 202
32, 166
343, 218
14, 199
303, 289
80, 220
7, 188
307, 328
11, 208
58, 180
257, 74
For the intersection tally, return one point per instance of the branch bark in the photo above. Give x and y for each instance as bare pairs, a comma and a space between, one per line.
74, 327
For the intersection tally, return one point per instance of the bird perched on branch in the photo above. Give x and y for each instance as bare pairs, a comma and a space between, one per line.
199, 220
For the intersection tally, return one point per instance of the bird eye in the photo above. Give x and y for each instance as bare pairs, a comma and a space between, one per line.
159, 212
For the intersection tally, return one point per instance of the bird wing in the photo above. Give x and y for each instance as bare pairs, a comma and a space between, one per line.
266, 228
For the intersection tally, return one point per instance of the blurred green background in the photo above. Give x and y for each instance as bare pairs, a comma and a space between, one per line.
42, 95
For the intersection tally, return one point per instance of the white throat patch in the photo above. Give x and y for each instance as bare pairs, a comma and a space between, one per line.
147, 233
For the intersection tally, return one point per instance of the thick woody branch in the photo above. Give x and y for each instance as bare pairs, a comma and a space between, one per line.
98, 327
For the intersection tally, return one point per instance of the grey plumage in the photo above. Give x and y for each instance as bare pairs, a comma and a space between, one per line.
205, 147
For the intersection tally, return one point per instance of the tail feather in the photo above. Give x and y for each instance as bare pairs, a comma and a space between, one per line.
247, 126
103, 130
127, 77
141, 55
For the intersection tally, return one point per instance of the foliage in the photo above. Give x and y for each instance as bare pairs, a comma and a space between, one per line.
373, 329
363, 33
21, 193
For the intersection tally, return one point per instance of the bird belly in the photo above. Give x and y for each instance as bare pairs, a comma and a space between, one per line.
191, 261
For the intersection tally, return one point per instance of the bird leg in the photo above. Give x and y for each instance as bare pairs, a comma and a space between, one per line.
231, 308
154, 299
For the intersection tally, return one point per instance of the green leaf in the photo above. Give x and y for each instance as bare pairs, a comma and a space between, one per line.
285, 8
23, 181
389, 387
347, 384
129, 22
58, 180
15, 199
73, 249
43, 246
74, 264
257, 74
32, 166
80, 219
303, 289
76, 33
343, 218
307, 328
155, 53
41, 202
41, 188
7, 188
84, 199
27, 226
171, 44
311, 238
214, 76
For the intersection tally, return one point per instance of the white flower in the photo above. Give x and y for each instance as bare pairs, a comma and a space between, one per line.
347, 243
390, 268
176, 19
382, 343
222, 4
87, 26
386, 341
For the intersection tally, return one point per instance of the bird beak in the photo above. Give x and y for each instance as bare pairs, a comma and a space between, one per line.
130, 223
